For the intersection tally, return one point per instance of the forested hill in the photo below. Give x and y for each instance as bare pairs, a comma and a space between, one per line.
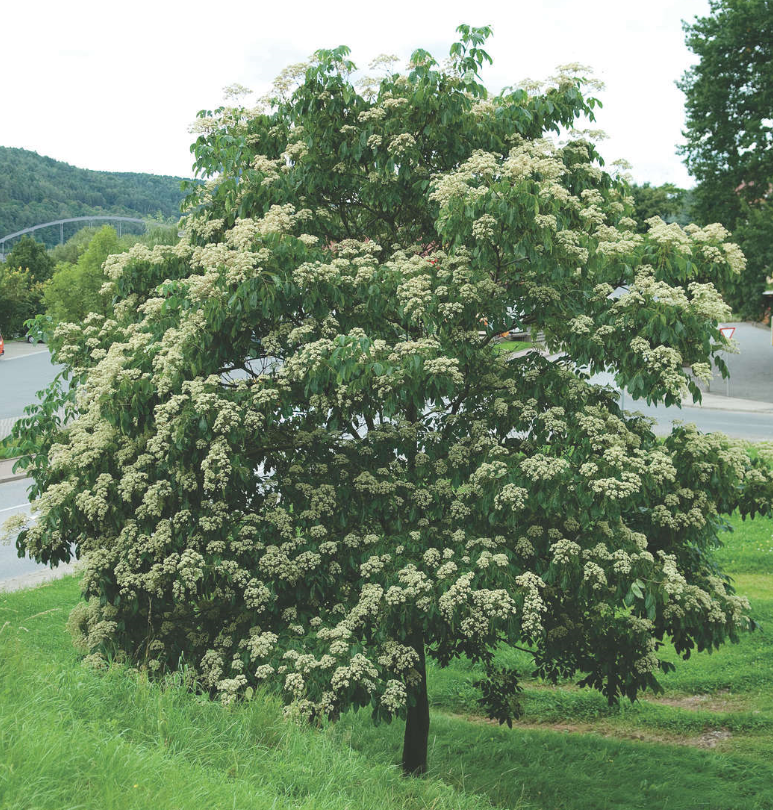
36, 189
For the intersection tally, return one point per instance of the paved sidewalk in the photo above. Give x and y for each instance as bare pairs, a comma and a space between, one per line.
723, 403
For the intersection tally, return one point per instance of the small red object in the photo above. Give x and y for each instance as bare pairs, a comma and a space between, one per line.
726, 331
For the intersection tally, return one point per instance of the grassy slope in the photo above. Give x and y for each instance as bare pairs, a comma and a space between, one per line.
71, 737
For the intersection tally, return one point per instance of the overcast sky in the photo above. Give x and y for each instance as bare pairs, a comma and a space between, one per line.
115, 87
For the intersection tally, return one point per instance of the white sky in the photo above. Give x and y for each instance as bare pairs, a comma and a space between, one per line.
115, 86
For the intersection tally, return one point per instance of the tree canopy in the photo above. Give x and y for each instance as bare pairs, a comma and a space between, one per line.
295, 457
19, 299
28, 254
729, 132
75, 289
669, 202
22, 277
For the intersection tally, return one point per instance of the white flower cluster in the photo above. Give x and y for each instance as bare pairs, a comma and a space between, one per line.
394, 697
665, 362
594, 575
483, 228
398, 658
359, 671
512, 497
533, 605
543, 468
401, 144
617, 488
565, 552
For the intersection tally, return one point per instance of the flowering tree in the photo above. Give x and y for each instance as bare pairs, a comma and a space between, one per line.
298, 457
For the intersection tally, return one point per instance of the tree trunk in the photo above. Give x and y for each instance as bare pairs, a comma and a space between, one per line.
417, 724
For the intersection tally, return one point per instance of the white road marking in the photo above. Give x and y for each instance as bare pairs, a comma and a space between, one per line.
20, 506
22, 356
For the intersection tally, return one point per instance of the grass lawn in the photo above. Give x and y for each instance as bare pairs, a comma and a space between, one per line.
507, 346
71, 737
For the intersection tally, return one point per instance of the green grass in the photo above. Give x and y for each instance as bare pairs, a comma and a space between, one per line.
71, 737
507, 346
748, 549
561, 770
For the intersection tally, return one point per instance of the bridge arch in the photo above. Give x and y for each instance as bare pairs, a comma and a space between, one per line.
61, 223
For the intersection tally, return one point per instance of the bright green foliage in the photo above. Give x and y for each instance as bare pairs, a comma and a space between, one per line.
27, 254
729, 134
74, 289
19, 299
299, 458
70, 251
156, 233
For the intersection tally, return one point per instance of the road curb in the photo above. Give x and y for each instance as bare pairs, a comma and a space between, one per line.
36, 578
19, 477
6, 471
767, 410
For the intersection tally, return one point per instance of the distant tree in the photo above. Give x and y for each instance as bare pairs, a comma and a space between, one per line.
19, 299
161, 233
27, 254
74, 290
666, 201
156, 232
754, 232
297, 461
729, 133
70, 251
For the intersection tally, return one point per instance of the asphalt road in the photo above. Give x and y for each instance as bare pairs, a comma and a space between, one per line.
24, 370
755, 427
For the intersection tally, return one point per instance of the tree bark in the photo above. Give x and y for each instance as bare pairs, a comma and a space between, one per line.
417, 723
